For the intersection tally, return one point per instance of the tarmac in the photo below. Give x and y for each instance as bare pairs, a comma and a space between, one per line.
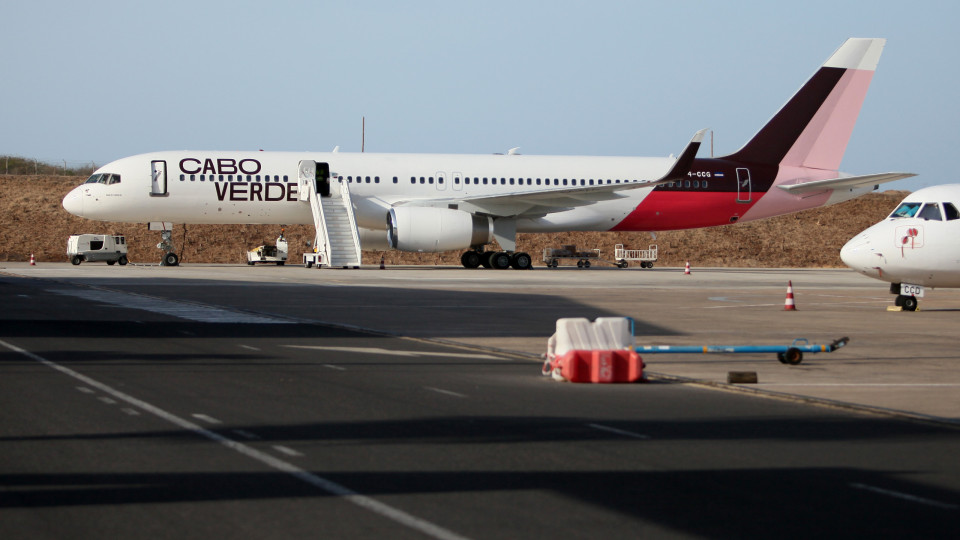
896, 363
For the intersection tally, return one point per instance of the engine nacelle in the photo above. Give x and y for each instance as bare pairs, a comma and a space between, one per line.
436, 229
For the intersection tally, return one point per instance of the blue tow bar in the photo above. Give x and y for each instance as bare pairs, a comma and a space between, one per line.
789, 354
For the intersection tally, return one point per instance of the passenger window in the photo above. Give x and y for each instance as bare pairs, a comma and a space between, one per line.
931, 211
951, 211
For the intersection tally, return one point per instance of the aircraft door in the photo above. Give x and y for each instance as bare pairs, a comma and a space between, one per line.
323, 179
306, 173
743, 185
158, 182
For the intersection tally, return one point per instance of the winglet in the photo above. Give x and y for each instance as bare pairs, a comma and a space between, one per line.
682, 166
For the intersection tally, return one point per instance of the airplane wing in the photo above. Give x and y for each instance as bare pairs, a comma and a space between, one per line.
844, 182
553, 200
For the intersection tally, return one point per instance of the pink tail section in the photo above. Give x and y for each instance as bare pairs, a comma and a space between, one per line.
813, 128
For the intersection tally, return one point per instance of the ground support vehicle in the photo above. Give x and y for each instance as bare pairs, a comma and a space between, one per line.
110, 248
646, 256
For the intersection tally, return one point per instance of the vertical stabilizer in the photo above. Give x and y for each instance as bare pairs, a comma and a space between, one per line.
813, 128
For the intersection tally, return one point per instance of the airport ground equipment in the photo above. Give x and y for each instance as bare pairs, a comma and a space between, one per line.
111, 248
646, 257
553, 256
787, 354
267, 253
337, 242
599, 352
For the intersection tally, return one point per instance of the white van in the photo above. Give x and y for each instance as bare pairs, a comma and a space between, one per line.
111, 248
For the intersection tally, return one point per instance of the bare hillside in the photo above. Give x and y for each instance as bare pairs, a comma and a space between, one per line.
32, 221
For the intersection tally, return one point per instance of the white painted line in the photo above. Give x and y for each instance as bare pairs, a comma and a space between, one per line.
619, 431
338, 368
84, 389
288, 451
205, 418
130, 411
246, 434
390, 352
183, 310
905, 496
399, 516
249, 348
107, 400
444, 392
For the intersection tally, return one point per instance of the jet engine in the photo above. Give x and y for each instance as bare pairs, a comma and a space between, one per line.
436, 229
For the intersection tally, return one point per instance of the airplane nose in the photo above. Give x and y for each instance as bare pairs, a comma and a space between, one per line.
858, 255
73, 202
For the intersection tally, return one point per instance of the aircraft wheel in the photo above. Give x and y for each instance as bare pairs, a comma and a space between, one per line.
76, 259
521, 261
485, 259
171, 259
123, 260
500, 260
910, 303
470, 259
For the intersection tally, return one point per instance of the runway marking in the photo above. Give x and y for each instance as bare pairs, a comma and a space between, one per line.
107, 400
205, 418
249, 348
338, 368
399, 516
246, 434
625, 433
905, 496
389, 352
131, 412
445, 392
288, 451
84, 389
182, 310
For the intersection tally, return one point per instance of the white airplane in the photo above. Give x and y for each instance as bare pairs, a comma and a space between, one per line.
915, 247
431, 203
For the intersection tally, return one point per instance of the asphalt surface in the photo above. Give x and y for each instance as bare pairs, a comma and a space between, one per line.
253, 402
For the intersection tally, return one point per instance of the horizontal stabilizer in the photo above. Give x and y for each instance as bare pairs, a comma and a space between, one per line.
847, 182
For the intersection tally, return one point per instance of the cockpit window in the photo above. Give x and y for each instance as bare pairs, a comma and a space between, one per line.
951, 211
930, 211
906, 210
103, 178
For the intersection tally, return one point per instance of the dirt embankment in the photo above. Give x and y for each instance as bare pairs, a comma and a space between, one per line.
33, 221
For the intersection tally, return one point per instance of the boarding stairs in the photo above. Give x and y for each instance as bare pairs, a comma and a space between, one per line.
336, 237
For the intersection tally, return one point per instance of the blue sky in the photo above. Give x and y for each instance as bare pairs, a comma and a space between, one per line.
96, 81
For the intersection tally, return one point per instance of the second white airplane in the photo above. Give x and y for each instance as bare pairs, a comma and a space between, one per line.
430, 202
915, 247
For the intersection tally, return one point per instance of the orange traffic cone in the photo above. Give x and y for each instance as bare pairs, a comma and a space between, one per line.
686, 270
788, 305
33, 261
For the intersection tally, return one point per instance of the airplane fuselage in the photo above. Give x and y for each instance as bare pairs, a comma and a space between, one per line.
261, 187
917, 244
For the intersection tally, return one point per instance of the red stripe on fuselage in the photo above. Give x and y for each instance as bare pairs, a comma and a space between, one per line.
670, 210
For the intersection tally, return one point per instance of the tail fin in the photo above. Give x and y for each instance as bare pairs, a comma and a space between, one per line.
813, 128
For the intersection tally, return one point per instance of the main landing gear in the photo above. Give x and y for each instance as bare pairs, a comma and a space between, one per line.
501, 260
